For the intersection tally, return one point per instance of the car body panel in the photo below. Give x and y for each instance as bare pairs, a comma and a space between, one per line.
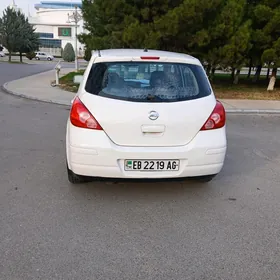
128, 124
92, 153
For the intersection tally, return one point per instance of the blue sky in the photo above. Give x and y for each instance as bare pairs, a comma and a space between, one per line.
23, 4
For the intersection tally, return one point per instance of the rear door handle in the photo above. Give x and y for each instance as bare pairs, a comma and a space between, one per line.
153, 128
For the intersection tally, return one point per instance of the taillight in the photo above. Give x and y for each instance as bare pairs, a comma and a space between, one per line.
217, 118
81, 117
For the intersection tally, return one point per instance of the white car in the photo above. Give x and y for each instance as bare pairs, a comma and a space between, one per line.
145, 114
2, 54
44, 56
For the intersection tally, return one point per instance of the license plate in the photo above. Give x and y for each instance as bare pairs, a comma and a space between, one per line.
151, 165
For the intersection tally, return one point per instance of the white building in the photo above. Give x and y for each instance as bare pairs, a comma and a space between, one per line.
52, 24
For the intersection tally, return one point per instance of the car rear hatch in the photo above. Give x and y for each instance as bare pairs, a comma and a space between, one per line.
134, 113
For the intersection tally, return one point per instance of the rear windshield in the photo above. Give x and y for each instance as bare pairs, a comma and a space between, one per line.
148, 82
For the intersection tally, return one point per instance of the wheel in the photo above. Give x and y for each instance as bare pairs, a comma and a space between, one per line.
49, 59
205, 179
37, 58
76, 179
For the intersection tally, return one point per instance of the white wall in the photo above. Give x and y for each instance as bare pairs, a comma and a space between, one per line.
48, 21
44, 28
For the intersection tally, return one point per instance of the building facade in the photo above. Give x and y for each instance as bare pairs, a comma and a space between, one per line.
51, 22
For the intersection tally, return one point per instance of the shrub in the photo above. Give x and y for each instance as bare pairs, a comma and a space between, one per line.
87, 54
68, 53
30, 55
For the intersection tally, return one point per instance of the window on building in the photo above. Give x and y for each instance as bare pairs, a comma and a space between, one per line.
64, 31
45, 35
50, 43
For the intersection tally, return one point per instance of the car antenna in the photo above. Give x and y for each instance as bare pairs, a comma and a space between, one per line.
145, 50
99, 53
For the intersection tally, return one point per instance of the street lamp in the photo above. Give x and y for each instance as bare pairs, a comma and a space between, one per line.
75, 17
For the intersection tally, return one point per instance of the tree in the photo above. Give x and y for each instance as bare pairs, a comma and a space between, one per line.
123, 23
236, 50
202, 28
68, 53
265, 32
227, 34
29, 41
16, 33
11, 29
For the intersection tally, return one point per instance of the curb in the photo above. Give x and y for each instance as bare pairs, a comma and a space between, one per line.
253, 111
5, 89
228, 111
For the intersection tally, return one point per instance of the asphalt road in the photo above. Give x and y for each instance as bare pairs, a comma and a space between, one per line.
227, 229
12, 71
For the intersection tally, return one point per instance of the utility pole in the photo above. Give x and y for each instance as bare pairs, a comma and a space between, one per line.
75, 17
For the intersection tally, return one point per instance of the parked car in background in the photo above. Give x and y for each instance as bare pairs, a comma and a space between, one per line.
145, 114
43, 56
2, 54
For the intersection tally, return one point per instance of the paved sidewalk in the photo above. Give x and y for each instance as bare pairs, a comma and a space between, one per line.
38, 87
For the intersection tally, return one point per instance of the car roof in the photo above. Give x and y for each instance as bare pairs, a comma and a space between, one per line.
105, 55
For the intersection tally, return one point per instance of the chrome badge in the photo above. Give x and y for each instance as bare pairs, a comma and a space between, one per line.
153, 115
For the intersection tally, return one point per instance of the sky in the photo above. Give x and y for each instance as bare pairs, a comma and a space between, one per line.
23, 4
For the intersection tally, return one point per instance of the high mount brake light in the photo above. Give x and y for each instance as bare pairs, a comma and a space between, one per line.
217, 118
81, 117
150, 57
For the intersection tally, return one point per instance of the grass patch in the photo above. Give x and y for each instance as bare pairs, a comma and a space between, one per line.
66, 81
246, 93
222, 85
245, 89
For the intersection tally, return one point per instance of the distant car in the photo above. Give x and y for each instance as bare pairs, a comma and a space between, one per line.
145, 114
44, 56
2, 54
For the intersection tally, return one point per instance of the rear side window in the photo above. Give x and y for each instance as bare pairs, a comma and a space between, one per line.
148, 82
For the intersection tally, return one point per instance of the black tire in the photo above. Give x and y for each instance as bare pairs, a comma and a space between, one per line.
37, 58
76, 179
205, 179
49, 59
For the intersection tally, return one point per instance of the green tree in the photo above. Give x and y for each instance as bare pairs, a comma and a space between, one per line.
271, 29
17, 34
68, 53
265, 24
223, 33
214, 31
11, 30
29, 40
235, 52
123, 23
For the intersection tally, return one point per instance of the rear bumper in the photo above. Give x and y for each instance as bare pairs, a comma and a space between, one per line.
92, 153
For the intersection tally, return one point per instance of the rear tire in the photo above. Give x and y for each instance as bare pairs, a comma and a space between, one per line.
76, 179
205, 179
49, 59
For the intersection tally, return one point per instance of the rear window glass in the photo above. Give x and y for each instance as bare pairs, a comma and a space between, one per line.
148, 82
